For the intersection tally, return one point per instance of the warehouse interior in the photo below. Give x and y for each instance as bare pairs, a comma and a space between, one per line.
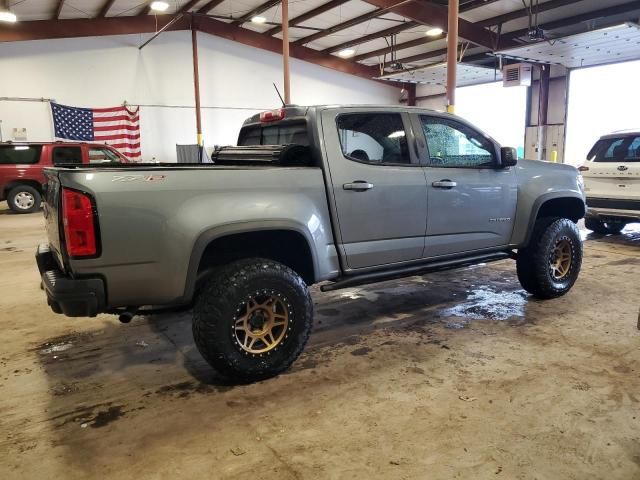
445, 373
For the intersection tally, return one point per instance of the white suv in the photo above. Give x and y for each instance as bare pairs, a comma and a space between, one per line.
612, 182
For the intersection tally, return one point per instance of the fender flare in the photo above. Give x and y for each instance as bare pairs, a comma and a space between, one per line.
220, 231
541, 200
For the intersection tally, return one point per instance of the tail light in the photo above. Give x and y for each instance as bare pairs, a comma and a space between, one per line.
272, 115
78, 219
583, 169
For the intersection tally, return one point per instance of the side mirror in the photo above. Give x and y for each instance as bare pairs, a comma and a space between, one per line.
508, 157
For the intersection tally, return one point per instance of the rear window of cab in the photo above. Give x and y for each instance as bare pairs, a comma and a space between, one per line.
284, 133
19, 154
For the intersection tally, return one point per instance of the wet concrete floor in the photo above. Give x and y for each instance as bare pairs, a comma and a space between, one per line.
453, 375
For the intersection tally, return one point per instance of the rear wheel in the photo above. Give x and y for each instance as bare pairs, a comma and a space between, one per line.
549, 266
252, 319
603, 228
24, 199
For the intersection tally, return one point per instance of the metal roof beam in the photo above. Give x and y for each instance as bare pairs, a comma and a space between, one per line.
106, 6
187, 6
437, 16
56, 14
343, 26
373, 36
207, 7
489, 22
314, 12
263, 7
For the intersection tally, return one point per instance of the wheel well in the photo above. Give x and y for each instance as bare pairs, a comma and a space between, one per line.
285, 246
568, 207
32, 183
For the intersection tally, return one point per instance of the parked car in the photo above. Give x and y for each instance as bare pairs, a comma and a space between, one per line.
22, 168
612, 182
366, 194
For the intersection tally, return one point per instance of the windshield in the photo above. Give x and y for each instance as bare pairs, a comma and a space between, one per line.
616, 149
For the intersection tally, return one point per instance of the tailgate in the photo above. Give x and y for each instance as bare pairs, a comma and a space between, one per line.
613, 180
51, 210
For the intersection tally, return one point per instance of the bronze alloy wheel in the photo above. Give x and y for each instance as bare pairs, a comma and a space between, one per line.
561, 259
261, 322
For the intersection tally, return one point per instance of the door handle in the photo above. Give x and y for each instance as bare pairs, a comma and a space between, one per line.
358, 186
446, 184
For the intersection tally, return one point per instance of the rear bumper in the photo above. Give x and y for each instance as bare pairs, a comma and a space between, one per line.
73, 297
613, 209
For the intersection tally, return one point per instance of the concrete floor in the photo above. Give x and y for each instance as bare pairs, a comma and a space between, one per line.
453, 375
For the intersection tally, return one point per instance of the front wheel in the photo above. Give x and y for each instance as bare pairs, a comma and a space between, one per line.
603, 228
549, 266
252, 319
24, 199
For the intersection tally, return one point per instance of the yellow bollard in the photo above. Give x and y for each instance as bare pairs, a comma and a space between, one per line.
554, 156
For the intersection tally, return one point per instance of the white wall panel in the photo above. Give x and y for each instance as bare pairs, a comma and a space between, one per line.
235, 82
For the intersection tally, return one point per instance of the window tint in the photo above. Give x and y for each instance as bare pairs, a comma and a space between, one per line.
276, 134
626, 149
19, 154
374, 138
66, 155
453, 144
103, 155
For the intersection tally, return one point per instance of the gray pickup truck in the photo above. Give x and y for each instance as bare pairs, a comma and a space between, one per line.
345, 195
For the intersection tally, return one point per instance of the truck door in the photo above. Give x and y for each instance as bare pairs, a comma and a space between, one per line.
471, 201
378, 186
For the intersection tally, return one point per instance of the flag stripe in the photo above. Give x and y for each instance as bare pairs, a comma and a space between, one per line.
116, 128
117, 136
115, 118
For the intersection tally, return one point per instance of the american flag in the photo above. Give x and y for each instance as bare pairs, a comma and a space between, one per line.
117, 126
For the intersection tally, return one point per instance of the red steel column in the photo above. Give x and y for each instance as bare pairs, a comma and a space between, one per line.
285, 51
452, 55
196, 80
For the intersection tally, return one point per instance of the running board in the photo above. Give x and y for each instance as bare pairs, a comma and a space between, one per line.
374, 277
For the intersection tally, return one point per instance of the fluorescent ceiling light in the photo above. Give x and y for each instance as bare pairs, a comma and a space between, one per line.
347, 52
159, 6
7, 16
434, 32
258, 19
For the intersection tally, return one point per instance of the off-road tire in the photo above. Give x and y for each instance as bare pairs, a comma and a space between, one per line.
603, 228
15, 194
218, 301
534, 262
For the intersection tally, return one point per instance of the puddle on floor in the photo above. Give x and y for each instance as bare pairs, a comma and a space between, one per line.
486, 304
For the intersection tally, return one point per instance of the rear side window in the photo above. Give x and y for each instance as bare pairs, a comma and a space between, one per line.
19, 154
67, 155
378, 138
275, 134
623, 149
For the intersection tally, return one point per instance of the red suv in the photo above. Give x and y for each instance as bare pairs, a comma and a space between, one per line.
22, 165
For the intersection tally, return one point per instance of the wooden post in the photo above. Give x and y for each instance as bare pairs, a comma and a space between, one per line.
452, 55
196, 80
285, 51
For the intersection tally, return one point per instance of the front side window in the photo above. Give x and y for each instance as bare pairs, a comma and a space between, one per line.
453, 144
378, 138
103, 155
19, 154
67, 155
